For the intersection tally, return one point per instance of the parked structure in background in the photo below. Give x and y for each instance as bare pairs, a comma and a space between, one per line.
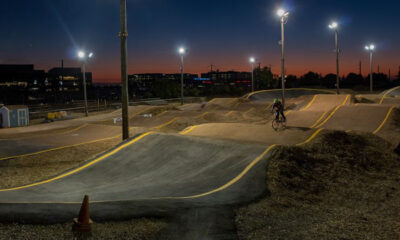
14, 116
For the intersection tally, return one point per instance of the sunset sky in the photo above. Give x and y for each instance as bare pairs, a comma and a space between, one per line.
218, 32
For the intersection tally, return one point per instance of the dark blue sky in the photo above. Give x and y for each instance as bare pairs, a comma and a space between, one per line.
223, 33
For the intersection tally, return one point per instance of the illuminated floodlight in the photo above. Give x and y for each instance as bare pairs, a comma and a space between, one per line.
282, 13
90, 55
252, 60
81, 54
370, 47
181, 50
333, 25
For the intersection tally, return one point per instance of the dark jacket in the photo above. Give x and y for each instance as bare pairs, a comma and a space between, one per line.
277, 106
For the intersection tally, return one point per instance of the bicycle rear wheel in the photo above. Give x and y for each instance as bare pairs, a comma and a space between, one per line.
276, 124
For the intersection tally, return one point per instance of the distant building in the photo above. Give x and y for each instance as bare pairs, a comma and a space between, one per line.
139, 84
229, 78
21, 76
19, 83
66, 83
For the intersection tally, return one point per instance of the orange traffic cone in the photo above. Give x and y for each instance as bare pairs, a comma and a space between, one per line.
83, 223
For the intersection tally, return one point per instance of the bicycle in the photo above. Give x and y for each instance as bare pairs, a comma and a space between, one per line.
279, 124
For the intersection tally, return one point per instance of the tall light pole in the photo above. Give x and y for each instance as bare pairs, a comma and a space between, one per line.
83, 56
371, 49
334, 26
124, 78
284, 17
182, 52
252, 61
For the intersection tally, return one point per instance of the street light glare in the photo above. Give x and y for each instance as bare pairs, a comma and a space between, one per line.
281, 12
90, 55
333, 25
81, 54
370, 47
181, 50
252, 60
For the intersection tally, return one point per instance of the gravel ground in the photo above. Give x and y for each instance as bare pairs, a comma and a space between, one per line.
341, 187
140, 229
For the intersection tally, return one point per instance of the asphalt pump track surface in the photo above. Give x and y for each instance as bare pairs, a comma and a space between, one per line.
150, 175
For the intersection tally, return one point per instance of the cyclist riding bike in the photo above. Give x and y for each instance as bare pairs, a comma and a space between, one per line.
278, 109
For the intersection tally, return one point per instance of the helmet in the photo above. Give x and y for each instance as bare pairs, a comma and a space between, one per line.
276, 100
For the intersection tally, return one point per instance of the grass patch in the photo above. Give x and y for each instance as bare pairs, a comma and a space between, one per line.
342, 186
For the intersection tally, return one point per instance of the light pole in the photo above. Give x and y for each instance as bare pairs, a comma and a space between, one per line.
334, 26
182, 52
124, 79
83, 56
371, 49
252, 61
284, 17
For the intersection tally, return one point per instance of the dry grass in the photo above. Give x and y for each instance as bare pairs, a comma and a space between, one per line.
140, 229
342, 186
24, 170
396, 117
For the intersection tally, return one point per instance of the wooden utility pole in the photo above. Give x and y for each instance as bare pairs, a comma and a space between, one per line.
124, 78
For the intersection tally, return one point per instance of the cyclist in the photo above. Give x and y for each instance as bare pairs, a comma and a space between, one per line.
278, 109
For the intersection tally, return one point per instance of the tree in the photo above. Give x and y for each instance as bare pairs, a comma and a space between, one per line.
292, 81
354, 80
264, 78
329, 81
310, 79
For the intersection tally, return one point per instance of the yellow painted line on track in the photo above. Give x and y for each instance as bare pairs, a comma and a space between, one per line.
384, 121
236, 105
229, 113
73, 130
48, 134
231, 182
268, 107
82, 167
202, 115
333, 112
212, 101
167, 123
291, 89
310, 103
250, 110
223, 187
159, 115
188, 130
329, 117
234, 180
387, 93
311, 137
319, 119
58, 148
140, 112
